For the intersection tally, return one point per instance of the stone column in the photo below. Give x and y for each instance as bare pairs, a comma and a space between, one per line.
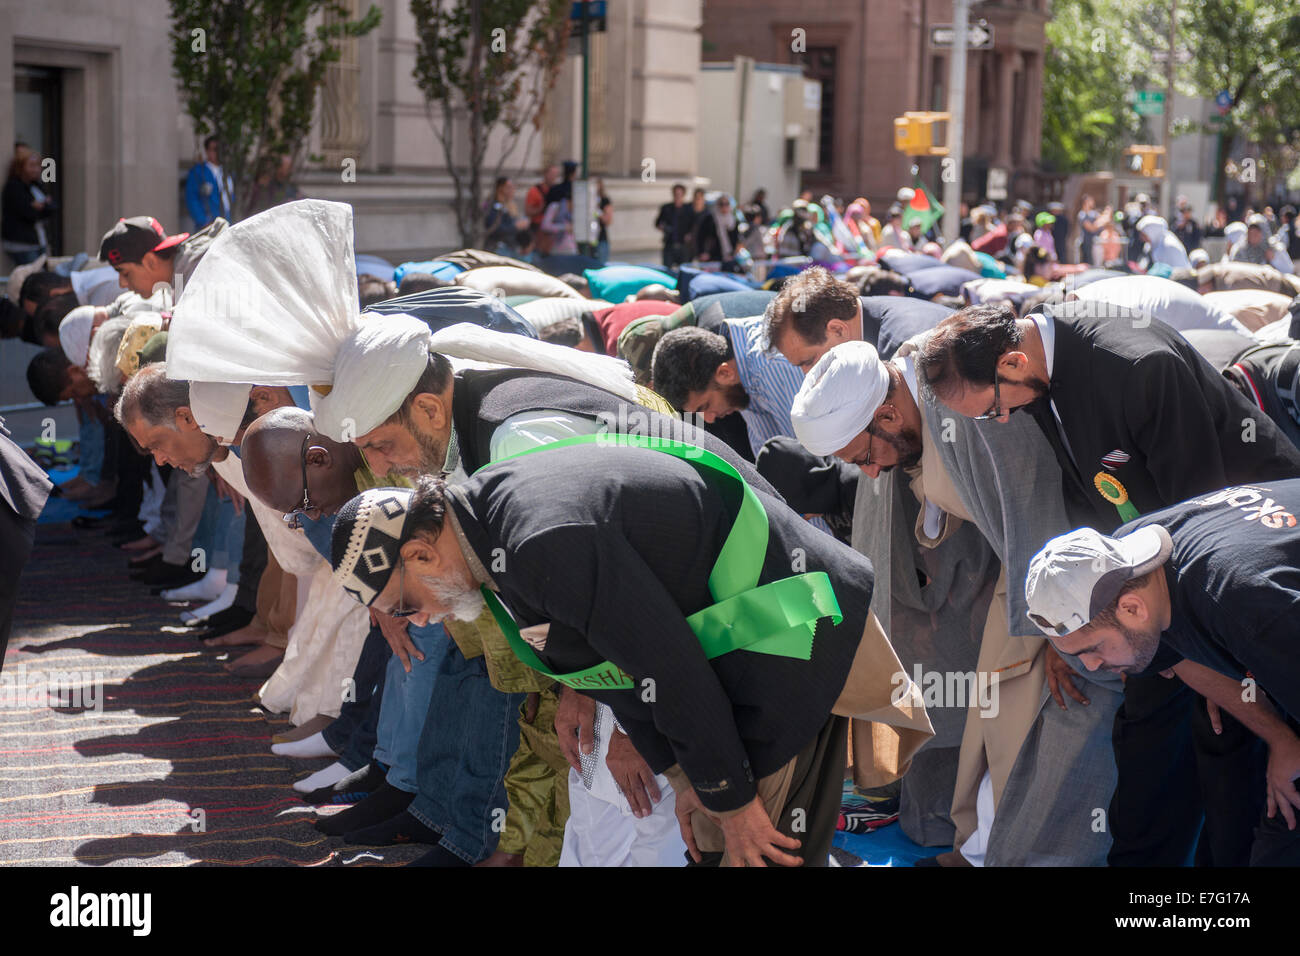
1007, 62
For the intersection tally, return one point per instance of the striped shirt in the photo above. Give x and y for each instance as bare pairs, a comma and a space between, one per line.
769, 379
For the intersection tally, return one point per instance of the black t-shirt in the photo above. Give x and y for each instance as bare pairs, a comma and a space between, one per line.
1234, 585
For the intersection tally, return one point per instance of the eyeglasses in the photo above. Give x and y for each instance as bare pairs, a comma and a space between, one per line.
996, 411
400, 610
294, 518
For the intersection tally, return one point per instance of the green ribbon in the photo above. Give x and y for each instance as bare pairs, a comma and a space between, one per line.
777, 618
1113, 491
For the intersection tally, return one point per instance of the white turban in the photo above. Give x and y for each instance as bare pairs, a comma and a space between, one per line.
375, 369
380, 364
1153, 227
218, 408
74, 333
839, 397
1234, 232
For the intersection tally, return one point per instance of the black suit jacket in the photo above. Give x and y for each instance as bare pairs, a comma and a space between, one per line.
614, 546
1135, 386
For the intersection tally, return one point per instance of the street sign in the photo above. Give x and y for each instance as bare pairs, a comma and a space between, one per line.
1149, 102
595, 16
1223, 102
996, 187
979, 36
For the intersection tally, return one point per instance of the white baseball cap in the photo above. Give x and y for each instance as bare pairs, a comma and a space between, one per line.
1079, 574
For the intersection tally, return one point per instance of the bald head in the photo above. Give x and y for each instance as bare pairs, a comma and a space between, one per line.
282, 447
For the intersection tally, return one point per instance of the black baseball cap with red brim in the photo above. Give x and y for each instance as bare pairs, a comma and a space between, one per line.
130, 239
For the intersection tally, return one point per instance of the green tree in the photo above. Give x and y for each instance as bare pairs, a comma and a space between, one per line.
249, 72
485, 68
1251, 49
1098, 53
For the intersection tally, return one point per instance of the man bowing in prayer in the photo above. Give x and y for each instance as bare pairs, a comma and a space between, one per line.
671, 595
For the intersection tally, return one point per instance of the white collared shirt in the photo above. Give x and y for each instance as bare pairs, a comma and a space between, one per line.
1047, 332
933, 524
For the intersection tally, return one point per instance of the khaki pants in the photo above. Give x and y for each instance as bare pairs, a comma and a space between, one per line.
802, 799
277, 602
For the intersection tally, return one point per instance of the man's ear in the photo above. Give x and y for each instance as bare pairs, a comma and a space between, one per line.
261, 398
185, 420
319, 456
1013, 362
726, 374
887, 414
1132, 609
434, 408
419, 553
838, 331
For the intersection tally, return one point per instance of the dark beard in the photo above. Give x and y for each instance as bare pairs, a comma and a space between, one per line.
907, 443
432, 456
737, 396
1037, 385
1144, 649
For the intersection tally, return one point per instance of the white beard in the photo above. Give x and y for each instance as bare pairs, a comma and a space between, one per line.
463, 602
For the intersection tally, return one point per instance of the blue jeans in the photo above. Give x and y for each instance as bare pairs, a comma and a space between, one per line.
470, 734
353, 735
221, 534
90, 433
406, 703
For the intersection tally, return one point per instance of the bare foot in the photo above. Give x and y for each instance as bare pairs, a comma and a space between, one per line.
503, 859
952, 858
257, 662
254, 633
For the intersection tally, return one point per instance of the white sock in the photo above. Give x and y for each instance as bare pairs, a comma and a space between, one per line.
305, 749
321, 778
223, 601
206, 588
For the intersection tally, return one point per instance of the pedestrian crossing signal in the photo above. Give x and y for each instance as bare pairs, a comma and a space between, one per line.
914, 134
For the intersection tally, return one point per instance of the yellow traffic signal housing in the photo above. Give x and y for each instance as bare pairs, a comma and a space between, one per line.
914, 134
1146, 160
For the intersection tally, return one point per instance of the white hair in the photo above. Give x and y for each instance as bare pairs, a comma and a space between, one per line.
101, 361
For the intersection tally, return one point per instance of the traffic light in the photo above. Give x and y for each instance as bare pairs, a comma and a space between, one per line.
914, 134
1145, 160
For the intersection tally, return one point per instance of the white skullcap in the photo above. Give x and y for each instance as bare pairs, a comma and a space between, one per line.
376, 368
74, 333
839, 397
218, 408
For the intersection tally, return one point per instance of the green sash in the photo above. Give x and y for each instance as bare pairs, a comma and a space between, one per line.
777, 618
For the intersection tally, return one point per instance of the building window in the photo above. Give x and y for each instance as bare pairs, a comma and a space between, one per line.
819, 64
938, 91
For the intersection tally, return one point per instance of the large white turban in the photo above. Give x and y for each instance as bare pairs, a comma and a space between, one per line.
218, 408
74, 333
270, 301
839, 397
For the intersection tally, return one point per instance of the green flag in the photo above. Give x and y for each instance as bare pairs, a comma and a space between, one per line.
923, 207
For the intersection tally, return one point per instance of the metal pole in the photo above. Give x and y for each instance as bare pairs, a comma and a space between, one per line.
586, 90
742, 75
1167, 183
956, 120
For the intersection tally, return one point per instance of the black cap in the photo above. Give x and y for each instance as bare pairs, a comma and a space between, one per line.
130, 239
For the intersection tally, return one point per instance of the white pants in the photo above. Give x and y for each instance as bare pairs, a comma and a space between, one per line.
150, 513
977, 844
602, 831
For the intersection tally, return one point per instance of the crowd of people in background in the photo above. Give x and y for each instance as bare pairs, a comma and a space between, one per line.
816, 381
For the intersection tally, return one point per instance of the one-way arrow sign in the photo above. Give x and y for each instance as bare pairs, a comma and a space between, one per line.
979, 36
